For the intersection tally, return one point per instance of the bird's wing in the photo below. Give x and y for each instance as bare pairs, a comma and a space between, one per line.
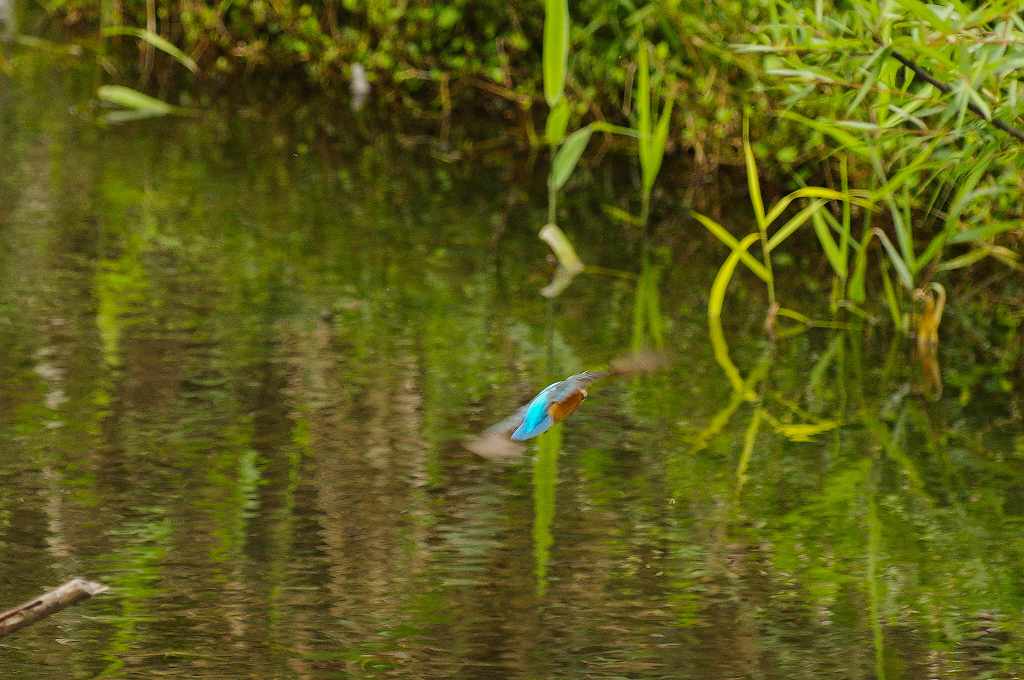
506, 425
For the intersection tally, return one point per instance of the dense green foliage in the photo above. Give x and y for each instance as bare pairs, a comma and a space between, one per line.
897, 123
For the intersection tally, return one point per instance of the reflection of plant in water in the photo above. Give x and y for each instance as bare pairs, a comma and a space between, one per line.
888, 500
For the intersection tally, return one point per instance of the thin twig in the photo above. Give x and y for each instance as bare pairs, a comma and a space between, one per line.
947, 89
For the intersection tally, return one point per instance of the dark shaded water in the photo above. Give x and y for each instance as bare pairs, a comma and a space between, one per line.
271, 493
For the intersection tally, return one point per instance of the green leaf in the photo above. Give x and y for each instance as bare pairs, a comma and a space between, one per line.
988, 231
558, 120
657, 147
897, 262
643, 108
156, 41
567, 157
837, 133
964, 195
556, 49
857, 197
753, 182
793, 224
924, 12
879, 55
965, 260
856, 288
133, 99
890, 299
723, 235
828, 244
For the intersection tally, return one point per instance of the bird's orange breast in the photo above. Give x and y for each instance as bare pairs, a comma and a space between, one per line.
560, 410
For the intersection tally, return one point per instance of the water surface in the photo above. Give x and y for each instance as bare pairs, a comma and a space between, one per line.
239, 363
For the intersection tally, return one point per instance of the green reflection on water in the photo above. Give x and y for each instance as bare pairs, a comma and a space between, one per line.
236, 380
545, 479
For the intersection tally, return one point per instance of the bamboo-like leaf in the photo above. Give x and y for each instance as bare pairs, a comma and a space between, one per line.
879, 56
753, 182
723, 235
156, 41
924, 12
716, 301
568, 155
897, 262
793, 224
980, 103
558, 119
556, 49
908, 173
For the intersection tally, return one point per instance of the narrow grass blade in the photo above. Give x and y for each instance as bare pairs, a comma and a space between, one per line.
156, 41
891, 300
982, 233
964, 195
643, 110
794, 223
897, 262
656, 151
720, 232
861, 198
844, 138
856, 290
828, 244
753, 182
844, 236
966, 260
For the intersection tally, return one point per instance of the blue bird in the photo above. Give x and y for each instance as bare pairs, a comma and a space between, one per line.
555, 403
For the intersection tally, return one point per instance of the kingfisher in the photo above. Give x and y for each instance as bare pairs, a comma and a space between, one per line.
553, 404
